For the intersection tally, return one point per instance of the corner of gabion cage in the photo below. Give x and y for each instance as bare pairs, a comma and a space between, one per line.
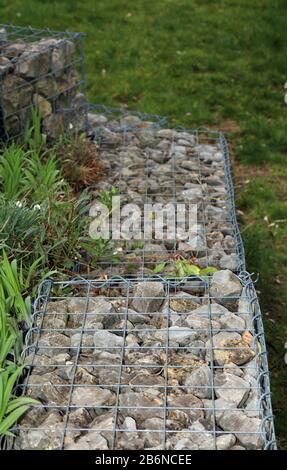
41, 70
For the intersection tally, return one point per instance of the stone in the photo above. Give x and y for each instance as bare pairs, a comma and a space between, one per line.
41, 364
5, 65
191, 409
96, 120
225, 288
83, 341
105, 339
42, 105
229, 347
225, 441
16, 93
199, 382
231, 388
45, 388
209, 311
183, 302
139, 406
183, 336
201, 323
53, 343
230, 262
15, 48
92, 396
33, 64
148, 296
99, 309
231, 321
79, 418
250, 436
91, 441
49, 437
129, 423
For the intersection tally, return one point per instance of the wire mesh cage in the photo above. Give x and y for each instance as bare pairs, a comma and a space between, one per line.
101, 117
147, 364
171, 166
41, 69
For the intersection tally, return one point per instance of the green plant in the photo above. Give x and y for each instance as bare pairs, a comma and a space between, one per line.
42, 178
20, 226
11, 408
11, 172
106, 197
183, 268
34, 139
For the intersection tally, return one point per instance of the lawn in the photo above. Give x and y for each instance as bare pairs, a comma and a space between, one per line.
208, 62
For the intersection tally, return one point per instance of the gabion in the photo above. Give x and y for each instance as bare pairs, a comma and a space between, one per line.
40, 69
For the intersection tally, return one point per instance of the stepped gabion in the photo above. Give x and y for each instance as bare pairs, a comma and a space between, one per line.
41, 69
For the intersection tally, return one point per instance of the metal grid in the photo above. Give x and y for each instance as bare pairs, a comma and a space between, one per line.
120, 120
134, 393
134, 183
43, 69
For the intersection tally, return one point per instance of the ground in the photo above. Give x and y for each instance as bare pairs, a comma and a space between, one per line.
202, 62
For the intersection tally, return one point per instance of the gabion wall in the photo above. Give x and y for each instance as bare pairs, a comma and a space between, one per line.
41, 69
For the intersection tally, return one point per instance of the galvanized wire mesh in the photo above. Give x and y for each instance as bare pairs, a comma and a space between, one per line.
120, 120
126, 364
205, 174
43, 69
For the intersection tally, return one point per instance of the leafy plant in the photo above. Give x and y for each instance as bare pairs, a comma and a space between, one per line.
183, 268
11, 172
106, 197
19, 227
42, 179
11, 408
34, 139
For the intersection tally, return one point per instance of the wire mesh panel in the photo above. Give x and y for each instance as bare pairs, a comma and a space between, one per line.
147, 364
41, 69
172, 166
119, 120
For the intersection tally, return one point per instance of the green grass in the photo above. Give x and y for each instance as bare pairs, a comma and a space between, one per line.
202, 62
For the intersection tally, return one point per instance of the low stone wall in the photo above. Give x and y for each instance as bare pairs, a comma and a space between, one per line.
43, 74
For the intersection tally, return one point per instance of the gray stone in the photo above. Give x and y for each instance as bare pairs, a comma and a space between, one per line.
91, 441
249, 436
83, 341
199, 382
107, 340
225, 441
33, 64
92, 396
48, 438
231, 321
53, 343
140, 406
181, 335
231, 388
225, 288
16, 93
48, 388
148, 296
230, 262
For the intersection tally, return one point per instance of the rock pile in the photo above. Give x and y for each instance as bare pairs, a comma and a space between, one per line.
168, 166
43, 74
146, 365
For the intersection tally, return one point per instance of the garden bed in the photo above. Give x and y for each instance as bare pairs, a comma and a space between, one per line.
147, 364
